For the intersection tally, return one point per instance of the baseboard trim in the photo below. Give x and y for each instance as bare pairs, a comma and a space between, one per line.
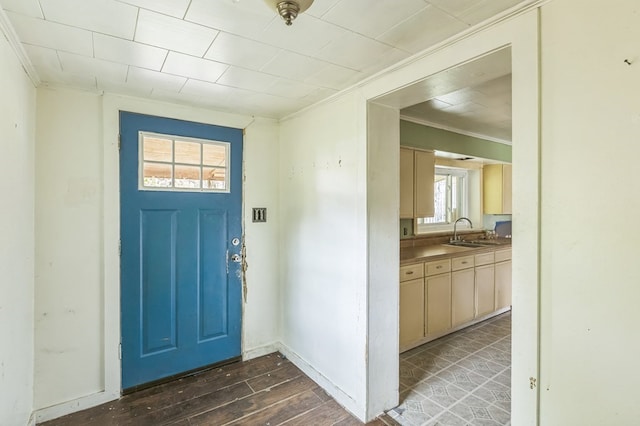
331, 388
260, 351
32, 419
62, 409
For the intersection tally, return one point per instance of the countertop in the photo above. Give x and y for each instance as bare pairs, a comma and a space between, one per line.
440, 251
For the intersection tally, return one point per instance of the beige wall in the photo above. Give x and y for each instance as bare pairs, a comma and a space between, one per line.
590, 194
17, 126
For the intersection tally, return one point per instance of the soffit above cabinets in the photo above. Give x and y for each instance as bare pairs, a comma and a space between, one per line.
233, 55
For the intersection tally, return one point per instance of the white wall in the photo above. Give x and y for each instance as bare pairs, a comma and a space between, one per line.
68, 295
590, 197
17, 128
77, 225
323, 246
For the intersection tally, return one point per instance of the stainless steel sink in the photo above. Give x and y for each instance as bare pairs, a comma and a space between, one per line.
465, 244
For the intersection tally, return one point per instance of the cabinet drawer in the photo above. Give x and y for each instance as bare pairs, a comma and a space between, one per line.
437, 267
484, 259
411, 272
458, 263
502, 255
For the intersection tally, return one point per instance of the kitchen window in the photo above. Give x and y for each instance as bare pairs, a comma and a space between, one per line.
451, 202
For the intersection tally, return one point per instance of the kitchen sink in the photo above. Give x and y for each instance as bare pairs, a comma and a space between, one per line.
475, 243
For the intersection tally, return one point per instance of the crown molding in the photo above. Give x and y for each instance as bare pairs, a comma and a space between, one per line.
10, 34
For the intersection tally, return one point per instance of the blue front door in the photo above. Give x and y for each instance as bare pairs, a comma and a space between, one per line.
181, 231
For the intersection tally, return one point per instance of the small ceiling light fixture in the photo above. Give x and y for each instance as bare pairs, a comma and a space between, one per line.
289, 9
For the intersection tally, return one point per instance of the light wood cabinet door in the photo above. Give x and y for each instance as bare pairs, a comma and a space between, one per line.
424, 171
406, 183
462, 296
485, 289
437, 303
496, 188
411, 311
503, 284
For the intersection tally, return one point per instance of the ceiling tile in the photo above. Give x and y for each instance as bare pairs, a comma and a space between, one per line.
247, 79
77, 64
123, 87
306, 36
234, 50
412, 36
334, 77
174, 34
101, 16
474, 11
290, 89
175, 8
192, 67
43, 57
128, 52
153, 79
219, 96
49, 34
245, 17
320, 7
353, 51
24, 7
293, 65
372, 18
52, 77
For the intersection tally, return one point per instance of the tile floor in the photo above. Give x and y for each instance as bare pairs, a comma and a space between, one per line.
460, 379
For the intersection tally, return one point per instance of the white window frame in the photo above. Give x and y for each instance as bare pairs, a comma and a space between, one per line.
174, 138
425, 228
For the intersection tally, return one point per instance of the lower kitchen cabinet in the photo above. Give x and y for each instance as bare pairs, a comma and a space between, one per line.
437, 303
485, 288
462, 296
411, 311
503, 284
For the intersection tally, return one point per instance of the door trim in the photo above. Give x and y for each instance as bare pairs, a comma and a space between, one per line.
112, 105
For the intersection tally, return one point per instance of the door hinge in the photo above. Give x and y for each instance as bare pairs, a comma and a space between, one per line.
119, 141
120, 351
119, 248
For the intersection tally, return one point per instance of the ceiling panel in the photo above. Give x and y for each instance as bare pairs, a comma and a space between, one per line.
175, 8
24, 7
192, 67
411, 35
235, 50
153, 79
176, 50
174, 34
101, 16
372, 18
52, 35
128, 52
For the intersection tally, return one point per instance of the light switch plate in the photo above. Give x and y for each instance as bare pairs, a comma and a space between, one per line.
259, 214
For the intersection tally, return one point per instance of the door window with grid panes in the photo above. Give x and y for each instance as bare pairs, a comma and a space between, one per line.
172, 163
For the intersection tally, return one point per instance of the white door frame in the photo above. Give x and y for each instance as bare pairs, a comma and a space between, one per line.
520, 32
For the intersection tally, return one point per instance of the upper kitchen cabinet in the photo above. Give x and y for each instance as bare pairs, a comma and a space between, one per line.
497, 189
417, 170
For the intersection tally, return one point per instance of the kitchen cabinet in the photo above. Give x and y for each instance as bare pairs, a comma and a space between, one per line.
437, 303
406, 183
424, 171
417, 171
503, 279
485, 287
411, 311
462, 290
441, 296
496, 191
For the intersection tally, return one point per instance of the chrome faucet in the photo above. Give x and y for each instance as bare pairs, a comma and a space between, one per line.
455, 231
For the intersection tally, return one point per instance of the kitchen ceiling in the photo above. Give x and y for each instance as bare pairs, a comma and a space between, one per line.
234, 55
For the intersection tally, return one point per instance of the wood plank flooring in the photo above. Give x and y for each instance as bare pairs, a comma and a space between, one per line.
269, 390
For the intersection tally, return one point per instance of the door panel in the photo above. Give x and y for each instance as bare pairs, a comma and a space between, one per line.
180, 296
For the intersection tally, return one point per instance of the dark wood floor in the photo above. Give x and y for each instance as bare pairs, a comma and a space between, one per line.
269, 390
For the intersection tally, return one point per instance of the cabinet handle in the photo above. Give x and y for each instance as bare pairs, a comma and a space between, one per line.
464, 263
409, 272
